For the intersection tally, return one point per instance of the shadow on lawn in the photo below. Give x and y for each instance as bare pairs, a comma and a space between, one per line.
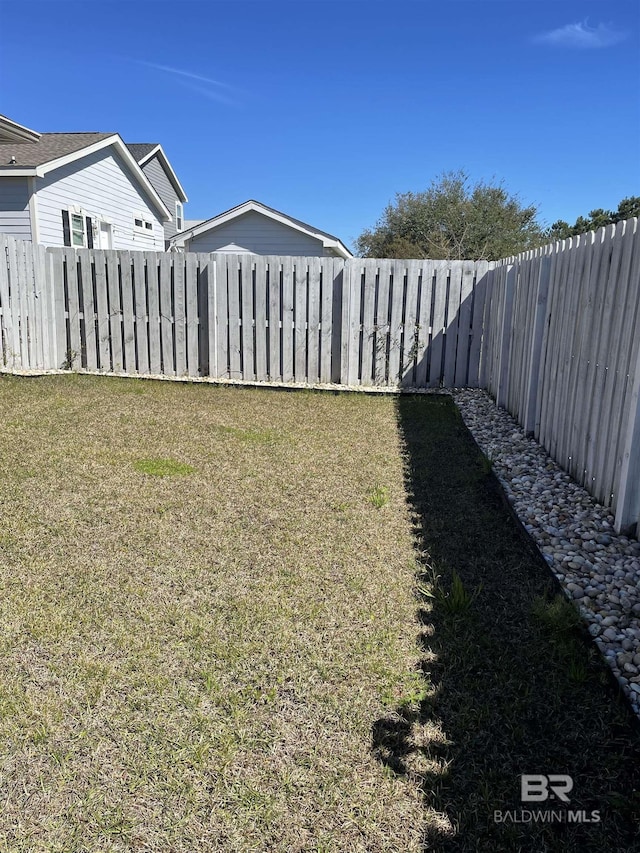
513, 682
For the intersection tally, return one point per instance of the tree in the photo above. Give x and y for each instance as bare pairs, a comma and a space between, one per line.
627, 209
453, 219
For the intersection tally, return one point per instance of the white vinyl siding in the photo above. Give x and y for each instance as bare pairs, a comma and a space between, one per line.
14, 208
162, 185
260, 235
102, 186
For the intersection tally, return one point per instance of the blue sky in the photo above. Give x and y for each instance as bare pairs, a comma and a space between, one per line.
326, 108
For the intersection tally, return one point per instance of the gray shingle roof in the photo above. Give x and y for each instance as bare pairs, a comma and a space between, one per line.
50, 146
140, 149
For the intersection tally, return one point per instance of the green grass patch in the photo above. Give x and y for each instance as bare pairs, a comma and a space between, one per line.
163, 467
379, 496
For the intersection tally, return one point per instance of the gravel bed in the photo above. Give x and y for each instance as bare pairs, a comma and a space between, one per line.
598, 569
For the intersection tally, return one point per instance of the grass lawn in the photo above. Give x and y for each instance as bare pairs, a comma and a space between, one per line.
205, 603
248, 620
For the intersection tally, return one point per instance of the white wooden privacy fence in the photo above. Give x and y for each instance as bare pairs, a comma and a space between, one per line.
244, 317
561, 352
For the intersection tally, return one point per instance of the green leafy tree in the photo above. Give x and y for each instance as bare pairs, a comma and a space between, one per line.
453, 219
627, 209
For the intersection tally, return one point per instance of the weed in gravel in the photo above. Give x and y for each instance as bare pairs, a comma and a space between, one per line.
379, 496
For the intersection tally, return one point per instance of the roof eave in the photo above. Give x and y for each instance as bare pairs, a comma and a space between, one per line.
115, 140
158, 150
22, 133
258, 207
18, 172
339, 247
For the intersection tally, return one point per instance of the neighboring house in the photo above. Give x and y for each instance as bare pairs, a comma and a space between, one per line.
80, 189
154, 163
257, 229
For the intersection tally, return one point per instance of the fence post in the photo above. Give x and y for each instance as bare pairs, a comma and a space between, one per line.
531, 390
505, 336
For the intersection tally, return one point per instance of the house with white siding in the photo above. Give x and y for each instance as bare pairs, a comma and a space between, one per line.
254, 228
86, 190
154, 163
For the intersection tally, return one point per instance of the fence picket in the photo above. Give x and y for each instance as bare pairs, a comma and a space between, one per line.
479, 296
275, 314
300, 320
30, 304
409, 323
18, 302
88, 325
180, 314
327, 267
287, 308
166, 315
140, 312
397, 285
367, 274
102, 311
313, 321
115, 311
464, 323
222, 313
6, 323
235, 329
261, 307
381, 321
128, 317
153, 327
192, 314
73, 355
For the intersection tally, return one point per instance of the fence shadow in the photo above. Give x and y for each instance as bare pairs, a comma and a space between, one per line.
512, 685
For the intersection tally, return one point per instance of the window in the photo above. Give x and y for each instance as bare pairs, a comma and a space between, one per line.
179, 216
77, 229
142, 224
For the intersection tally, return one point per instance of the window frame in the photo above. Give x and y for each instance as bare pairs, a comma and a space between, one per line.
73, 231
75, 211
179, 216
146, 224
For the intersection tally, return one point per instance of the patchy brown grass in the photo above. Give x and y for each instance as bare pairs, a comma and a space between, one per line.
205, 605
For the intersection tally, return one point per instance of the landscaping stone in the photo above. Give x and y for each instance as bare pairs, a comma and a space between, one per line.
599, 570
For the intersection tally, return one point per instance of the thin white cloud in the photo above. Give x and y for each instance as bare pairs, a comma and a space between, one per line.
213, 90
582, 36
211, 95
170, 70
